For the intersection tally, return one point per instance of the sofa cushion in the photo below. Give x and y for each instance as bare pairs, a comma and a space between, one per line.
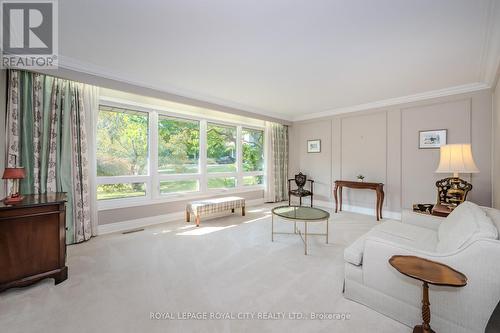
407, 235
396, 232
468, 221
494, 215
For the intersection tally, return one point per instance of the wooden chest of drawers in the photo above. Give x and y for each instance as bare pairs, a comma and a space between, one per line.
33, 240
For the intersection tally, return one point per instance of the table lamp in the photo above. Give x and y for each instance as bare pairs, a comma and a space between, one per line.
15, 174
455, 159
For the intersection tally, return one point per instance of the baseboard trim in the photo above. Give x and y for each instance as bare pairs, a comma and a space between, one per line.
152, 220
358, 209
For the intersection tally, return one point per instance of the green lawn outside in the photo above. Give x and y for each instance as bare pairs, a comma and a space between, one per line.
221, 182
212, 168
118, 191
253, 180
172, 186
193, 168
178, 169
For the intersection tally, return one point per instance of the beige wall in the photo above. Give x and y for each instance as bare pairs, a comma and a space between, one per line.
496, 147
3, 108
382, 144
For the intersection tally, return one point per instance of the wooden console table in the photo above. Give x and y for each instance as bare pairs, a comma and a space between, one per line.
377, 187
33, 240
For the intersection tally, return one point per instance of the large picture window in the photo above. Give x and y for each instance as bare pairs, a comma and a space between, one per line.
144, 154
221, 148
253, 149
122, 152
122, 142
178, 145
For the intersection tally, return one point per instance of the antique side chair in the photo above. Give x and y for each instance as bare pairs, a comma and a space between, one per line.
300, 191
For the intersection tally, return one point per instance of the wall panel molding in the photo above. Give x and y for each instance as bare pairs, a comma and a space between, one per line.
408, 172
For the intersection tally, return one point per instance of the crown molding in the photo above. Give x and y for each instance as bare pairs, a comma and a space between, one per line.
467, 88
173, 94
230, 107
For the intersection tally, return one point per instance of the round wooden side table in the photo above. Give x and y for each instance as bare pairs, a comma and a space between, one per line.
429, 272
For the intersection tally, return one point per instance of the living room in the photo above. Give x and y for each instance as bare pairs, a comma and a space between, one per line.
240, 166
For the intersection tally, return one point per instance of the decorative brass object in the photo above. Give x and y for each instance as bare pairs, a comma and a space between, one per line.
452, 191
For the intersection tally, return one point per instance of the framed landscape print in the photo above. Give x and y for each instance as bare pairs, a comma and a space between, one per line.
432, 139
314, 146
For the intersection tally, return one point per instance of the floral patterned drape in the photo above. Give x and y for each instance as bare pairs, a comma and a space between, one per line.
277, 162
47, 136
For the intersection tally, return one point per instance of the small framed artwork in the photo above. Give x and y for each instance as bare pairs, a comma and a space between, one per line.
314, 146
432, 139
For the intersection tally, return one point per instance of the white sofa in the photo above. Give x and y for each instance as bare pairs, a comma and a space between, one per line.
466, 240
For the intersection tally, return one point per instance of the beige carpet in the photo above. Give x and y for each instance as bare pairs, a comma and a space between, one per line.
228, 266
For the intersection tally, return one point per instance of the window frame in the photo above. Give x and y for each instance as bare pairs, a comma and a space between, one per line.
153, 177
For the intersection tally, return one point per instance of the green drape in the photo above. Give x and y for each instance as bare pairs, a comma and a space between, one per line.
47, 136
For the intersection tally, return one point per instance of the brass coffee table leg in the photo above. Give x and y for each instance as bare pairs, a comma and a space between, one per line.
326, 231
305, 238
272, 227
426, 312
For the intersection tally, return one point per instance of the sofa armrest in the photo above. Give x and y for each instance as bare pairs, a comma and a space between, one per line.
421, 220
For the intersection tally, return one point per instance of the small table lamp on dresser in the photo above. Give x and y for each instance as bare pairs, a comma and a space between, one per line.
15, 174
455, 159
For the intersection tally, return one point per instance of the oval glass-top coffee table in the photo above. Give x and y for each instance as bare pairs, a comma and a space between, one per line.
300, 214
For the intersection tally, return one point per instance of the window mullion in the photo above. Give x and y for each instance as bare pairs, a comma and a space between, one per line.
203, 156
153, 155
239, 159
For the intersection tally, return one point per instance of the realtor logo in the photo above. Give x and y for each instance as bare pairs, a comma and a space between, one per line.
29, 34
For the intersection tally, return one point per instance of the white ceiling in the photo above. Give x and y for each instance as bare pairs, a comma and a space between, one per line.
291, 59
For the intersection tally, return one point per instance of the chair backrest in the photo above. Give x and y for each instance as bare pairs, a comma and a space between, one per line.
300, 180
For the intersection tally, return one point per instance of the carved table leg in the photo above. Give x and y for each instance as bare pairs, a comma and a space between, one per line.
381, 202
426, 312
340, 194
336, 199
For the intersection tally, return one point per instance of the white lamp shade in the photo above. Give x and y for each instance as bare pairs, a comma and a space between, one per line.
457, 158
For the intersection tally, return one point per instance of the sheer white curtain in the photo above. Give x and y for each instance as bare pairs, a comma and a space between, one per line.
269, 158
276, 154
91, 109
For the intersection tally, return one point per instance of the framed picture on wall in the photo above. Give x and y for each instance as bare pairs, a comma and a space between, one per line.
314, 146
432, 139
